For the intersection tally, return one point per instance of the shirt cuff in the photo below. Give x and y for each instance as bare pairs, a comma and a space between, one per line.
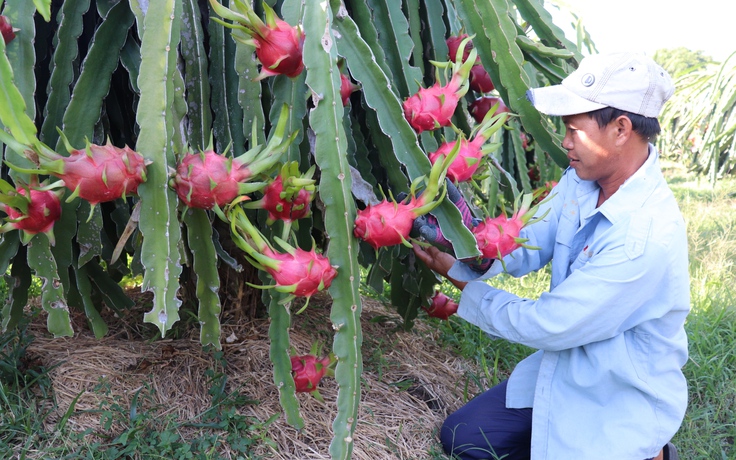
461, 271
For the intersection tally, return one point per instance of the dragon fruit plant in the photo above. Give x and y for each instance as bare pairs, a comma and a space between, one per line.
499, 236
470, 152
296, 272
30, 210
287, 197
208, 180
389, 222
279, 46
441, 306
433, 107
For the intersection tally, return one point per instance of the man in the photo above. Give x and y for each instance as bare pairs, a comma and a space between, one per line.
606, 381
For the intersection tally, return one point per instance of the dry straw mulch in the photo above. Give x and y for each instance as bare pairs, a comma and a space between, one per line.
410, 384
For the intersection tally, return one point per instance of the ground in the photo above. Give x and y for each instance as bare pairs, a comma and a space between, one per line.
410, 383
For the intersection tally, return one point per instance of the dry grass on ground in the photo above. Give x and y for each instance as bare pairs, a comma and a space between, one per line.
410, 383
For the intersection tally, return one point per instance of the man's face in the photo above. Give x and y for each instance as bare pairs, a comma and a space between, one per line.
590, 149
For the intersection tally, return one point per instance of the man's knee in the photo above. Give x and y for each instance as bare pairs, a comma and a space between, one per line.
454, 433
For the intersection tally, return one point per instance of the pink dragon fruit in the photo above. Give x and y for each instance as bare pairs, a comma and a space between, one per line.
308, 371
480, 107
467, 161
297, 272
99, 173
347, 87
433, 107
288, 196
42, 210
441, 306
388, 223
7, 30
281, 206
480, 81
470, 153
279, 46
498, 237
206, 180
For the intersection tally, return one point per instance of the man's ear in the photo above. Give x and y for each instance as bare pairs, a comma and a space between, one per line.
624, 129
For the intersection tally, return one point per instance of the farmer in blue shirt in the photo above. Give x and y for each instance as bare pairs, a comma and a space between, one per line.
606, 381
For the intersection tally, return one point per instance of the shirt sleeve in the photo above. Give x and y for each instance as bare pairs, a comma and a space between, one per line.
540, 234
603, 298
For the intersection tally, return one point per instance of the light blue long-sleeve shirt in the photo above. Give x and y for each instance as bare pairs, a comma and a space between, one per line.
606, 381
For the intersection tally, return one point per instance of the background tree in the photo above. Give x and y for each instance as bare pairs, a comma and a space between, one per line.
679, 61
698, 121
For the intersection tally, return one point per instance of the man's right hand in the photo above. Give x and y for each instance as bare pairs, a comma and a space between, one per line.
438, 261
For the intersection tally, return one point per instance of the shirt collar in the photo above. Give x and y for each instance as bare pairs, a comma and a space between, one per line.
635, 190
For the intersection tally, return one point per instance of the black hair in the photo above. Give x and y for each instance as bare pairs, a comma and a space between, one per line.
648, 128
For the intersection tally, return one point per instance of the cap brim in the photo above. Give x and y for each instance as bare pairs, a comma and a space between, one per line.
559, 101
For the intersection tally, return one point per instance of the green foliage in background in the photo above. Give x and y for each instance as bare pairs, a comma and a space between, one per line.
699, 121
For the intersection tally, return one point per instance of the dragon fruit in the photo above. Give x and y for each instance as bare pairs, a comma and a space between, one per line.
31, 211
498, 236
480, 81
279, 46
467, 161
453, 45
99, 173
297, 272
480, 107
7, 30
433, 107
281, 206
471, 152
441, 306
207, 180
307, 371
347, 87
388, 223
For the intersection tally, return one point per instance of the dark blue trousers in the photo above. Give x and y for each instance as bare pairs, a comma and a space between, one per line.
485, 429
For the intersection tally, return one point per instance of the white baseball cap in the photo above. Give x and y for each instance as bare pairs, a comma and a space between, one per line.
631, 82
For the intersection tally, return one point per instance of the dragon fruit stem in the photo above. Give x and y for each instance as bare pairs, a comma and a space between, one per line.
491, 123
435, 181
264, 158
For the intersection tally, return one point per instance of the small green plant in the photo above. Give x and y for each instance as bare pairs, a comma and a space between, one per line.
25, 393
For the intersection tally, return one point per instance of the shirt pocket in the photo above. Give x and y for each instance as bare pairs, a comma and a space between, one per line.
582, 258
638, 345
